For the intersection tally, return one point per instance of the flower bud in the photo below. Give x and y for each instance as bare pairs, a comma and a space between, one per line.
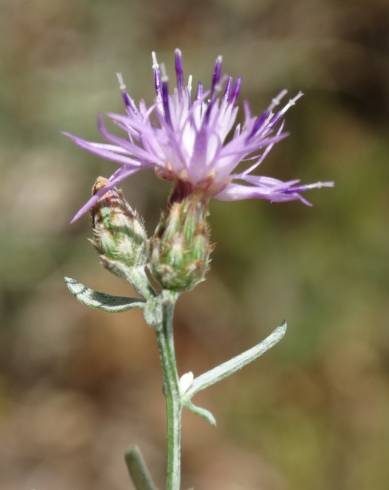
118, 233
180, 248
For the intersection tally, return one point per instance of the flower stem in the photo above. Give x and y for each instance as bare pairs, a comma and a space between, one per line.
165, 341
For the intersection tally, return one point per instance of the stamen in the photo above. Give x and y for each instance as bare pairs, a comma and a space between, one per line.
291, 103
128, 102
120, 78
227, 89
307, 187
235, 91
216, 73
165, 94
277, 99
190, 79
179, 70
155, 61
207, 114
247, 111
157, 73
264, 154
258, 123
164, 77
200, 91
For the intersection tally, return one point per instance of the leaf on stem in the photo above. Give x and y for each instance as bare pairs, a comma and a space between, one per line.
102, 301
235, 364
203, 412
137, 468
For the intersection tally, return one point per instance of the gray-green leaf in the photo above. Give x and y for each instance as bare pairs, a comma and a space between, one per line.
203, 412
235, 364
102, 301
137, 468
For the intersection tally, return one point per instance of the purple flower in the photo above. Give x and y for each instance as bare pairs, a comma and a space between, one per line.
194, 141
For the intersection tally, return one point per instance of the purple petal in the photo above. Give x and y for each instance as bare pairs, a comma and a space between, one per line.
179, 70
262, 180
217, 72
258, 124
235, 91
128, 102
119, 176
227, 90
238, 192
165, 101
157, 73
264, 154
269, 189
102, 151
238, 147
200, 91
132, 149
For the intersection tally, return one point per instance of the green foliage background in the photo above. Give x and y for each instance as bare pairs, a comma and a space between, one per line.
77, 386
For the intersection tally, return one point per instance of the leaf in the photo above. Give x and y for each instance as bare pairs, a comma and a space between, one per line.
203, 412
235, 364
137, 468
102, 301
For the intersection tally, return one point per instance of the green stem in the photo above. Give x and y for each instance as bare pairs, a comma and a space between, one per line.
172, 394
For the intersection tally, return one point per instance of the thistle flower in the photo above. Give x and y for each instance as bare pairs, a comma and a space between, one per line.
194, 140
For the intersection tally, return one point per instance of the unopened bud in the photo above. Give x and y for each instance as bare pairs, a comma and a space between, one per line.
180, 248
118, 233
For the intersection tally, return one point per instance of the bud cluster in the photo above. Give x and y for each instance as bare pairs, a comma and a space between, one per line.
178, 255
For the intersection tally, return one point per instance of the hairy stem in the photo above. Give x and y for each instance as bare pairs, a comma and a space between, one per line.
165, 341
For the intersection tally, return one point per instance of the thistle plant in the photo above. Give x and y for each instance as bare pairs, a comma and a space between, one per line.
194, 142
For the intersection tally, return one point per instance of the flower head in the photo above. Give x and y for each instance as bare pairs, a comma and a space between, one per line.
193, 140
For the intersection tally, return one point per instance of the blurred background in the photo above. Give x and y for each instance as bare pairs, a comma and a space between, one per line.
77, 386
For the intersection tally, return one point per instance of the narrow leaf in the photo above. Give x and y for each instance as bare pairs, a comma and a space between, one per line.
102, 301
203, 412
138, 470
235, 364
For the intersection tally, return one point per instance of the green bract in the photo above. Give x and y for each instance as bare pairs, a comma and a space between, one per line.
120, 238
180, 247
118, 233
